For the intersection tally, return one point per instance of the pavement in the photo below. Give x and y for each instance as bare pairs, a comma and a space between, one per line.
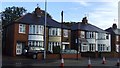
23, 61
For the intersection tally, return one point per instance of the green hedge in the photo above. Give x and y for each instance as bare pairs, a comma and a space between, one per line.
56, 49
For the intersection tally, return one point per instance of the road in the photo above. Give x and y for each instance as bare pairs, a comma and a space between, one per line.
82, 63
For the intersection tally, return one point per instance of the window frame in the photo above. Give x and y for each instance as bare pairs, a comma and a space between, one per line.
22, 28
65, 33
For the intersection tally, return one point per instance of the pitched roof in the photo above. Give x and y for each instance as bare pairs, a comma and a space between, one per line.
31, 18
86, 27
113, 31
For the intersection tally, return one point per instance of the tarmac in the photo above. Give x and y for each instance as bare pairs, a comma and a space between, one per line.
72, 63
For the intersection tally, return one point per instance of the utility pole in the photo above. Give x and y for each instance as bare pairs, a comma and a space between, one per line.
61, 30
45, 29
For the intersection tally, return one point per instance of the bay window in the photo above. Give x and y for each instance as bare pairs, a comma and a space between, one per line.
90, 34
36, 29
54, 31
84, 48
35, 43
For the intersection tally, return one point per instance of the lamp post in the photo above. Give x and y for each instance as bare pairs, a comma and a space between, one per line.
78, 50
119, 52
45, 29
61, 33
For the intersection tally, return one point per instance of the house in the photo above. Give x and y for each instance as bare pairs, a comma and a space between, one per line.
29, 31
115, 38
87, 38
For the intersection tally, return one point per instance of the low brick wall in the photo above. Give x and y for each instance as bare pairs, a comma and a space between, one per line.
39, 56
76, 56
110, 54
100, 54
89, 54
53, 56
71, 56
58, 56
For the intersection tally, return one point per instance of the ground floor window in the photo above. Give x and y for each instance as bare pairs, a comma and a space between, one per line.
91, 47
117, 48
103, 48
35, 43
53, 44
84, 48
19, 47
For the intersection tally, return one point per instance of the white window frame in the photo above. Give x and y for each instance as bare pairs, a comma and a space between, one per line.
86, 48
65, 33
103, 48
54, 31
36, 29
117, 38
82, 34
117, 48
22, 28
92, 47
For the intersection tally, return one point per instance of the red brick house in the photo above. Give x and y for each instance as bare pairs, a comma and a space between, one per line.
88, 39
115, 39
28, 31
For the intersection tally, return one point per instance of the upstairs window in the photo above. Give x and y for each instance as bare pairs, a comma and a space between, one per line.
90, 35
82, 34
117, 38
65, 33
107, 36
22, 28
54, 31
36, 29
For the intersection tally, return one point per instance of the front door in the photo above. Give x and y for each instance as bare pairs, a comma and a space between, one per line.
19, 49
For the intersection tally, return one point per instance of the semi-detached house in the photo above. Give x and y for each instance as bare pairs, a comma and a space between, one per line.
28, 31
87, 38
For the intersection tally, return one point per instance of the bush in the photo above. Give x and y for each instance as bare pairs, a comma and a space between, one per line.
56, 49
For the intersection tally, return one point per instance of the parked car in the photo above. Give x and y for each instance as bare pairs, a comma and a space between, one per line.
69, 51
33, 52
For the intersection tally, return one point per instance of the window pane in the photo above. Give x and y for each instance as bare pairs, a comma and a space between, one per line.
65, 33
22, 28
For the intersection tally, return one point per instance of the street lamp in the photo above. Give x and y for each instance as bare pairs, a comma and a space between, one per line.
78, 50
45, 29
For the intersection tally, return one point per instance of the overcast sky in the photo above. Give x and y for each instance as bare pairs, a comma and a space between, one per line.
101, 13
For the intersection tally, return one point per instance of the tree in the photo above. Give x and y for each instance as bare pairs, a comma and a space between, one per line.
11, 13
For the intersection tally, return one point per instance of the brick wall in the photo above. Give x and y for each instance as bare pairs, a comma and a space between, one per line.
71, 56
58, 56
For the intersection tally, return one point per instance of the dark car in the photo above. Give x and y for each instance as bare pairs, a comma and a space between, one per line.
69, 51
33, 52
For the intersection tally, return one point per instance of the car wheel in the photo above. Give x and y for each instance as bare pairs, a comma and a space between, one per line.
34, 56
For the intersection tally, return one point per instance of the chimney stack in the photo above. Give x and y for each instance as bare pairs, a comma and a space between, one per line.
38, 12
114, 26
84, 20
